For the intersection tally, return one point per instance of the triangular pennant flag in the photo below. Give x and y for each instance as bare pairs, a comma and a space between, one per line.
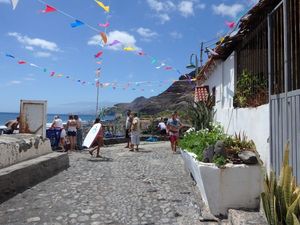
98, 54
168, 68
153, 61
52, 74
230, 24
31, 64
77, 23
104, 25
21, 62
8, 55
141, 53
129, 49
115, 42
49, 9
106, 8
104, 37
212, 51
14, 3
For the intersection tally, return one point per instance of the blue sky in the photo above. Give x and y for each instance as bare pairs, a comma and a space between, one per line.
168, 30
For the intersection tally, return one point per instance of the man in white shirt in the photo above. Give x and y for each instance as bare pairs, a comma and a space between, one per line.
58, 124
162, 127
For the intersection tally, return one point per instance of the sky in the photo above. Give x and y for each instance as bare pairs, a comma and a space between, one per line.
163, 35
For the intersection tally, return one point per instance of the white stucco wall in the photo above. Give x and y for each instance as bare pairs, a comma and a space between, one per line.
253, 121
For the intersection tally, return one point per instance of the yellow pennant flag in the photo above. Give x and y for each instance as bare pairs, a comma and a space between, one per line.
106, 8
128, 49
222, 39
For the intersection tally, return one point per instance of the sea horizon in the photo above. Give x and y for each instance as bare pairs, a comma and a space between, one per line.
6, 116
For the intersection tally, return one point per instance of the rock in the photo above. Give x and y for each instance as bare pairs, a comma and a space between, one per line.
220, 149
208, 154
33, 219
248, 157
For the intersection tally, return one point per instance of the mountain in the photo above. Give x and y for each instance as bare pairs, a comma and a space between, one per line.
176, 97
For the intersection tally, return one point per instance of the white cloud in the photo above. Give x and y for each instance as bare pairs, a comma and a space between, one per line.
146, 33
14, 82
125, 38
29, 79
42, 54
30, 48
201, 6
176, 35
186, 8
228, 10
162, 9
5, 1
160, 6
35, 42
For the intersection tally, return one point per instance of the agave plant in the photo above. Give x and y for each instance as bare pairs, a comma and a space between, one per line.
281, 199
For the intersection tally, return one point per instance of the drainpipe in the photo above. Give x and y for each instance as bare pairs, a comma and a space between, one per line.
286, 64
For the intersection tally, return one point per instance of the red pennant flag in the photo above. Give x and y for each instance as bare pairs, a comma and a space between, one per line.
22, 62
49, 9
52, 74
168, 68
98, 54
230, 24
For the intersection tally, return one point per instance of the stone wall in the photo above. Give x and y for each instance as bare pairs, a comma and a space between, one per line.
16, 148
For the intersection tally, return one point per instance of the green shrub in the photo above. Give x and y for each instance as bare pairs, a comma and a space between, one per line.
197, 141
219, 160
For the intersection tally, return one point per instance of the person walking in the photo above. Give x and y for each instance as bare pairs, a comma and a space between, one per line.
135, 132
71, 132
98, 140
78, 133
127, 128
173, 126
162, 127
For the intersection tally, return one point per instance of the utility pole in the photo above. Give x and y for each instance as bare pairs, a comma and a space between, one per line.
201, 55
97, 103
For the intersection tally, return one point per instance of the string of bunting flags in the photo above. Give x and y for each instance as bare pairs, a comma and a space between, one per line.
114, 85
104, 39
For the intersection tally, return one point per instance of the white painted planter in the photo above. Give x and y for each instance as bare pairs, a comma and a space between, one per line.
233, 187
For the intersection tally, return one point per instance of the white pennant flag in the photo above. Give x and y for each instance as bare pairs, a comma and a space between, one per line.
14, 3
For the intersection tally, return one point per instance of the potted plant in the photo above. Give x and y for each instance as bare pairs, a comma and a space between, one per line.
223, 178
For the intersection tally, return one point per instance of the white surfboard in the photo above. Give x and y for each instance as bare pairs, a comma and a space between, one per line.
90, 137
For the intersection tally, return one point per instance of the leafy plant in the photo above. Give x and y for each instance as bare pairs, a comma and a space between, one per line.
219, 160
197, 141
201, 113
251, 90
239, 142
281, 199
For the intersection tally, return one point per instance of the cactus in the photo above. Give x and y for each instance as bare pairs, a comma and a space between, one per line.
281, 199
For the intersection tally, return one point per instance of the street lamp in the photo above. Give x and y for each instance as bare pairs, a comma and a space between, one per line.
193, 65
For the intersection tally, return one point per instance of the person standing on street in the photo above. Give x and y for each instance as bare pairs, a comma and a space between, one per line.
174, 126
127, 128
135, 132
79, 133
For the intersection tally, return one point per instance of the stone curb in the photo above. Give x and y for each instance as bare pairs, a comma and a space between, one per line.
19, 177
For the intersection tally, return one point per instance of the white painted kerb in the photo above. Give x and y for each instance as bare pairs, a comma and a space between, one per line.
233, 187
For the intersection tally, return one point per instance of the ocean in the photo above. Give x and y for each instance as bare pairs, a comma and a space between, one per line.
4, 117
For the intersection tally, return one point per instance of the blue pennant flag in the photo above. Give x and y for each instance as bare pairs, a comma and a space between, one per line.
77, 23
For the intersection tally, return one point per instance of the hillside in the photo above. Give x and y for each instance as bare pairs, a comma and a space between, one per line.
174, 98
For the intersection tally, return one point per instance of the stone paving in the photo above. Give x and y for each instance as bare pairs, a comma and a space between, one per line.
147, 187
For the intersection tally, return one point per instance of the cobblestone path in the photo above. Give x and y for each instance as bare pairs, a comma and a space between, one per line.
147, 187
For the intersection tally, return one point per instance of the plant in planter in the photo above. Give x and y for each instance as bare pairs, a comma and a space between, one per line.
222, 184
281, 199
251, 90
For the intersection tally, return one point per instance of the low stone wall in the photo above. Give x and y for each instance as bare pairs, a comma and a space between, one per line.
23, 175
15, 148
111, 141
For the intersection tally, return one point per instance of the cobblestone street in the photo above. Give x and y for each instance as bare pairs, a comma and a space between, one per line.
146, 187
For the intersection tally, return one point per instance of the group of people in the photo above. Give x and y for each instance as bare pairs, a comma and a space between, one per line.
71, 134
132, 131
